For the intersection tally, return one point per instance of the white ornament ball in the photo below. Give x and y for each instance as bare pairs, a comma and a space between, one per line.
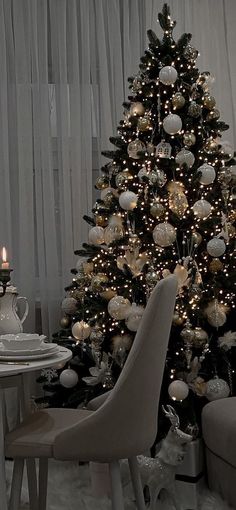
118, 307
81, 330
208, 174
216, 317
172, 124
96, 235
168, 75
178, 390
68, 378
128, 200
217, 388
134, 318
164, 234
69, 305
202, 208
216, 247
185, 156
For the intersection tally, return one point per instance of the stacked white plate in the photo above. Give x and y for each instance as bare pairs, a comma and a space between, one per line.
25, 346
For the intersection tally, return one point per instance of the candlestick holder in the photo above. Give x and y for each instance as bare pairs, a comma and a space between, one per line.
4, 279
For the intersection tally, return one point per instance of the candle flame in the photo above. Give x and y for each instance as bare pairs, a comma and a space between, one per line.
4, 254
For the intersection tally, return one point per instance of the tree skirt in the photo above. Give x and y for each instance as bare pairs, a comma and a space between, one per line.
70, 488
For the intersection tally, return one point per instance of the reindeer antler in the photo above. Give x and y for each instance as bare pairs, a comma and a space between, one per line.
170, 413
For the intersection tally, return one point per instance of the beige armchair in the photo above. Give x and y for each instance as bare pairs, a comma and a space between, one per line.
122, 427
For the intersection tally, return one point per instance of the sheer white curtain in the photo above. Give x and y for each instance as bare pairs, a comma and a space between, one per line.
64, 69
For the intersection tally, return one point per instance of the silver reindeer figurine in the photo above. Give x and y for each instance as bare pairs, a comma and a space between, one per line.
159, 473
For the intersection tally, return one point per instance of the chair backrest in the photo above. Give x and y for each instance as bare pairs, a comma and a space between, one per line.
126, 424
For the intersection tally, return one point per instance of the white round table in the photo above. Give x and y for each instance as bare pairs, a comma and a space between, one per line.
16, 374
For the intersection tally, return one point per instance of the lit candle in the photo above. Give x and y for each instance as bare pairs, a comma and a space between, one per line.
5, 263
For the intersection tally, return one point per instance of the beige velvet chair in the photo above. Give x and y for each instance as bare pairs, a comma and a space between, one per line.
122, 427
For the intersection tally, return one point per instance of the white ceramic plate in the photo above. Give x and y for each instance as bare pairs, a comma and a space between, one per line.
44, 347
30, 358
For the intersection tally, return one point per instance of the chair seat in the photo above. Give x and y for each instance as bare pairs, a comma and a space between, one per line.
35, 436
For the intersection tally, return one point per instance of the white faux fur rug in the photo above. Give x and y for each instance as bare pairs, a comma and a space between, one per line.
70, 489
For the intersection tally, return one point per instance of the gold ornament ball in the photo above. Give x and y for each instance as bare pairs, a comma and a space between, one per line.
122, 178
231, 230
134, 241
178, 101
144, 124
196, 238
107, 294
189, 139
137, 109
178, 203
98, 281
108, 198
101, 221
102, 182
213, 115
211, 146
194, 110
177, 319
81, 330
232, 215
215, 266
209, 101
157, 210
65, 322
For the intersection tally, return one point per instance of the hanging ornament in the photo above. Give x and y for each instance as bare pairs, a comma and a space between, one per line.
144, 124
196, 238
224, 176
137, 109
160, 177
96, 235
81, 330
144, 175
190, 53
68, 378
194, 110
172, 124
178, 100
152, 277
217, 388
189, 139
108, 381
96, 335
108, 198
134, 242
164, 234
134, 148
106, 191
157, 210
128, 200
200, 337
208, 174
115, 230
175, 187
163, 150
177, 319
209, 101
178, 203
168, 75
122, 178
98, 281
185, 157
65, 322
100, 220
134, 317
211, 146
178, 390
118, 307
227, 150
187, 333
102, 182
107, 294
216, 313
215, 266
69, 305
213, 115
202, 209
216, 247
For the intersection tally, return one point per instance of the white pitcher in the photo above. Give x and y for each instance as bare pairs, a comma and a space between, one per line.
10, 322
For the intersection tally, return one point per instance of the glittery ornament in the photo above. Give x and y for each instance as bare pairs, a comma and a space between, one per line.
178, 100
164, 234
187, 333
217, 388
211, 146
68, 378
208, 174
135, 147
128, 200
144, 124
178, 203
137, 109
209, 101
178, 390
196, 237
145, 175
168, 75
216, 247
134, 241
172, 124
185, 157
157, 210
108, 199
101, 221
81, 330
190, 53
224, 175
189, 139
102, 182
106, 191
96, 235
115, 230
134, 317
216, 313
202, 208
152, 277
194, 110
195, 292
163, 150
215, 266
107, 294
118, 307
69, 305
200, 337
65, 322
213, 115
98, 281
96, 335
108, 381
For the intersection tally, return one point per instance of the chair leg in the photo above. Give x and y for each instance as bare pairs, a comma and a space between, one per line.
16, 484
136, 482
43, 483
32, 484
116, 486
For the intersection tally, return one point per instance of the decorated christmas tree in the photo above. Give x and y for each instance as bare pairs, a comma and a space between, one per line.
166, 206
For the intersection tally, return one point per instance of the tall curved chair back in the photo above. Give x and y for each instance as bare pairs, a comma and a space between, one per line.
127, 421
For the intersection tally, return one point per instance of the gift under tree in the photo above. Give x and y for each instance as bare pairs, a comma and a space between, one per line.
166, 206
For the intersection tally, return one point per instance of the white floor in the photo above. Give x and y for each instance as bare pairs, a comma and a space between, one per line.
70, 489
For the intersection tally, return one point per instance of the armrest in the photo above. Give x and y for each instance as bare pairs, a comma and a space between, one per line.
97, 402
